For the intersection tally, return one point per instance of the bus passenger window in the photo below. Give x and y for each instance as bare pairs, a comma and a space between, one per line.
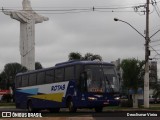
79, 69
69, 73
59, 75
24, 80
49, 76
18, 82
40, 78
32, 79
83, 78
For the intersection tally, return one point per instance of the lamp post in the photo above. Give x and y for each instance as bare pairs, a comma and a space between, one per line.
147, 53
116, 19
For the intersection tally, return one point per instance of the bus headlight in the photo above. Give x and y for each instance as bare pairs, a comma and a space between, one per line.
92, 98
117, 98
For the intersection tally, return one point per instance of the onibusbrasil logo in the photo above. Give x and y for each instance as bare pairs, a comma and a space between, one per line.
20, 115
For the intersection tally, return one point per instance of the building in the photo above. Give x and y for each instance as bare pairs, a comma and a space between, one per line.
153, 72
119, 72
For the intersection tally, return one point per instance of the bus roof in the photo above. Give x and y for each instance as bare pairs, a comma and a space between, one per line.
69, 63
73, 62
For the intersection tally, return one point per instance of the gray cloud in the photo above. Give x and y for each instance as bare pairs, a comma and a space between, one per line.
94, 32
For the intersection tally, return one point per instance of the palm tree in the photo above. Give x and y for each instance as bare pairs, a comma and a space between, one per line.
75, 56
87, 56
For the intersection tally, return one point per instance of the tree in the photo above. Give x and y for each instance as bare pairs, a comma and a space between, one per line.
38, 65
156, 90
9, 73
133, 73
75, 56
87, 56
90, 56
2, 82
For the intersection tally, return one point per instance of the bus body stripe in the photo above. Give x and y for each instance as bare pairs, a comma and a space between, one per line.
33, 91
57, 97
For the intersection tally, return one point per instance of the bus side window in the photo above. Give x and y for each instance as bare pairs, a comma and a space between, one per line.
18, 82
24, 80
32, 79
59, 75
49, 76
40, 78
83, 78
69, 73
78, 71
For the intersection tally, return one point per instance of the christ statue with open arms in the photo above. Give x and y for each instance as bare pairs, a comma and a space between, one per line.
27, 18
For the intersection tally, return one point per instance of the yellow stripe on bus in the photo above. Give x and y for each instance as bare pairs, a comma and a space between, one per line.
52, 97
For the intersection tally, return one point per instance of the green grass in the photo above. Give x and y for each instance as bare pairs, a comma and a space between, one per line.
6, 104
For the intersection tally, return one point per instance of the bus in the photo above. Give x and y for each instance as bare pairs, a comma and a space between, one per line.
72, 85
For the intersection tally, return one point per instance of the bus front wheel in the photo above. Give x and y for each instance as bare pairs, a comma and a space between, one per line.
71, 106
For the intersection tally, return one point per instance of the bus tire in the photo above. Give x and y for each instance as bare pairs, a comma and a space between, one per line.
98, 109
30, 107
71, 106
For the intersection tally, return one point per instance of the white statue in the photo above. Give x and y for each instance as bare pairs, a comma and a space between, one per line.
28, 18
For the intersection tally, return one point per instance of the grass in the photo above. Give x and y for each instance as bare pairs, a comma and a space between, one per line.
6, 104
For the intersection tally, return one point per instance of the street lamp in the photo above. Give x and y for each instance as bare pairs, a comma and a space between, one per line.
116, 19
146, 77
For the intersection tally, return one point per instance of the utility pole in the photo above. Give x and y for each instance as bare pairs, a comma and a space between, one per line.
147, 53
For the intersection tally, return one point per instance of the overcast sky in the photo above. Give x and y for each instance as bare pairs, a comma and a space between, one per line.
80, 31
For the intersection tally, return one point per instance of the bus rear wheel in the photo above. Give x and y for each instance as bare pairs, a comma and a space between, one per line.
71, 106
30, 107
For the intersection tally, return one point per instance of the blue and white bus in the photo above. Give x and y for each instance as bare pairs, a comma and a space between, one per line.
72, 85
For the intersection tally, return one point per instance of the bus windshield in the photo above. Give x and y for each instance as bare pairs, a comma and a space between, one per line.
101, 78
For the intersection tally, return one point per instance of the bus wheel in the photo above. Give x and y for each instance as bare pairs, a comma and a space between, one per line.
54, 110
30, 107
71, 106
98, 109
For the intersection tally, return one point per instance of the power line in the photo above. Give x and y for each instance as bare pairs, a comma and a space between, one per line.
155, 45
154, 50
155, 41
76, 10
154, 3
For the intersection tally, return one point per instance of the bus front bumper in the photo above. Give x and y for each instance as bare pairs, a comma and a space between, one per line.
103, 103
